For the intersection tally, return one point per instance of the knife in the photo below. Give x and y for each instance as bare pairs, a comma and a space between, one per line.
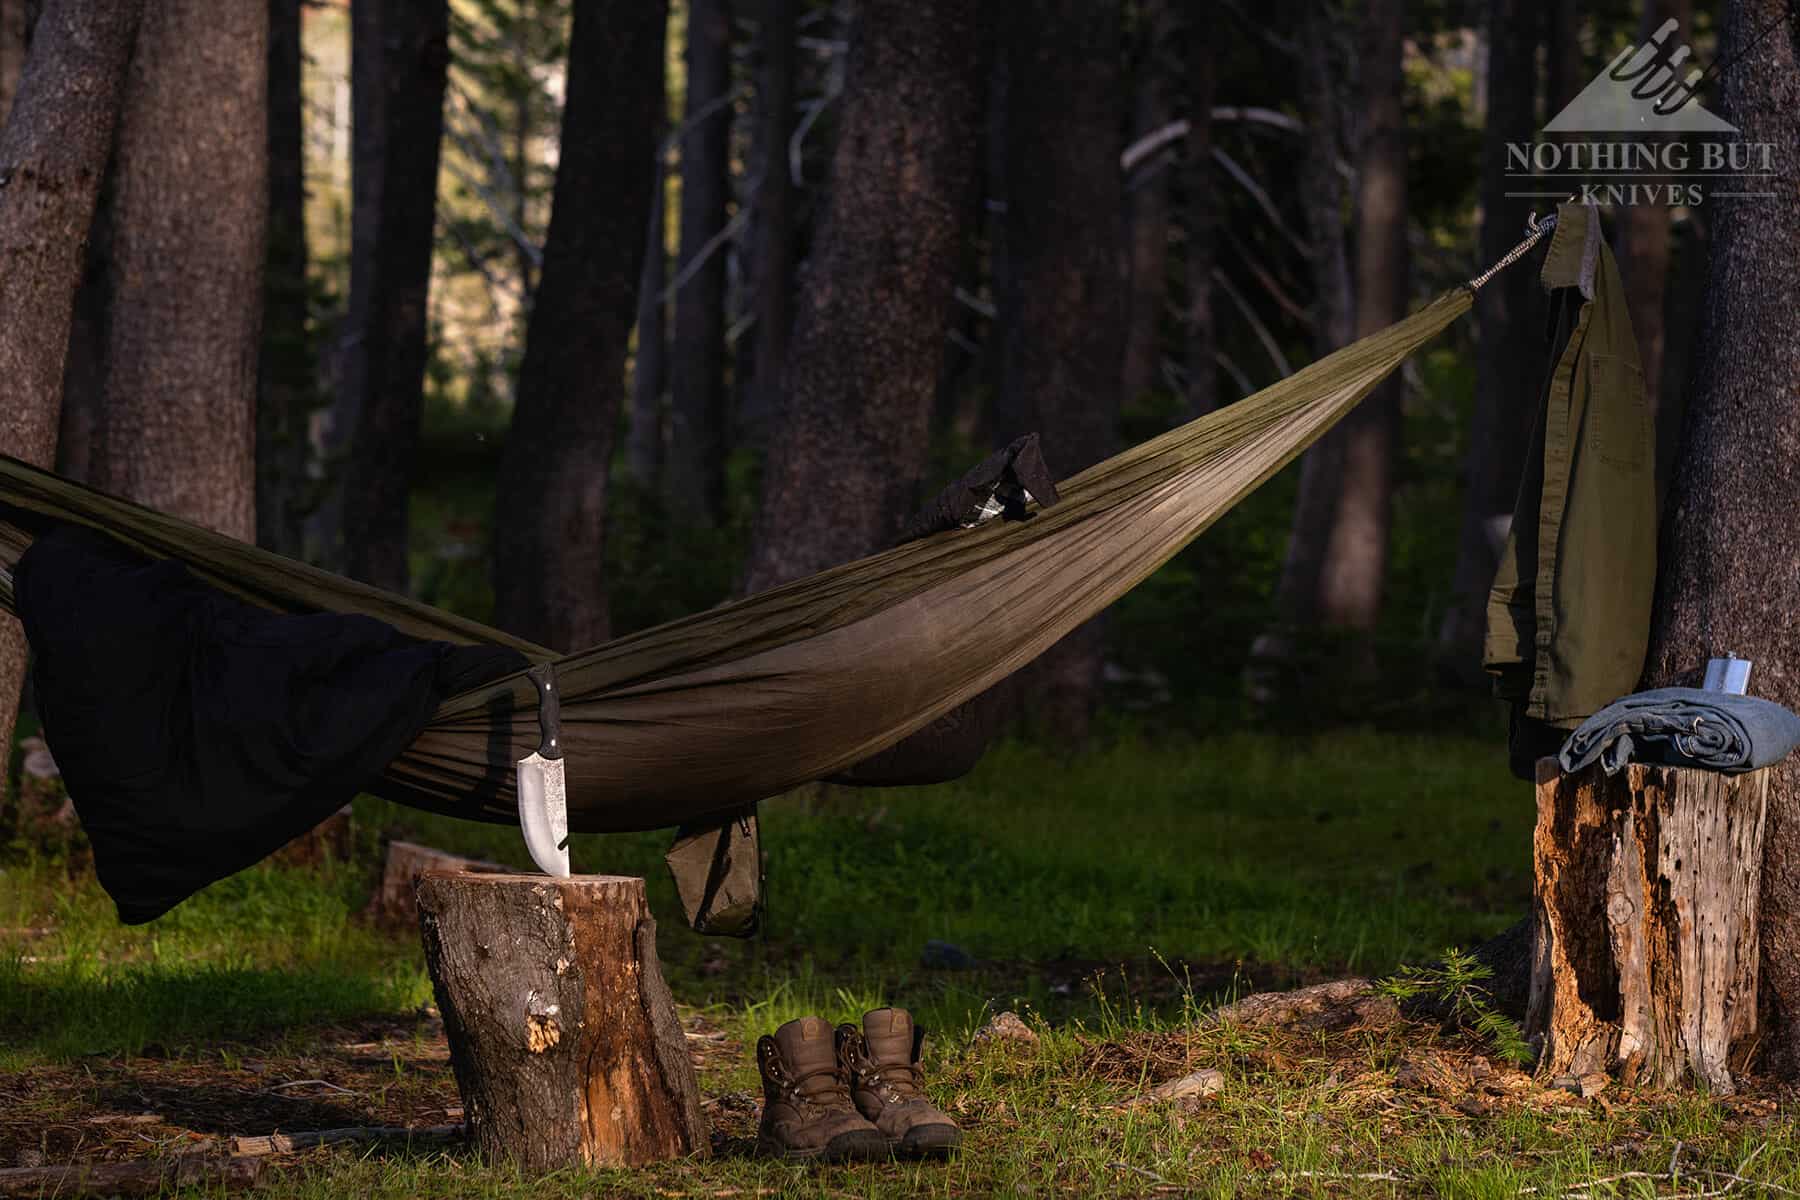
543, 792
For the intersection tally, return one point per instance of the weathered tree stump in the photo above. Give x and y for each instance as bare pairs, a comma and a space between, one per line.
563, 1035
405, 862
1647, 895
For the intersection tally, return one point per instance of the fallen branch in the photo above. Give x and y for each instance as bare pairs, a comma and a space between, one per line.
1337, 1004
144, 1177
294, 1083
284, 1143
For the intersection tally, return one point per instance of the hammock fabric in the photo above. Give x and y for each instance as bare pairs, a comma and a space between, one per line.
706, 714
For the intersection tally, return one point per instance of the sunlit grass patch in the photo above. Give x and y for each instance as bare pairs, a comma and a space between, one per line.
265, 949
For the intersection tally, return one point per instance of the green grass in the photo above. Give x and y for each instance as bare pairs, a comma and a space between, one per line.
263, 950
1111, 897
1246, 855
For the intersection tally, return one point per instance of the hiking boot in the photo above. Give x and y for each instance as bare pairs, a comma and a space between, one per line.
807, 1111
881, 1061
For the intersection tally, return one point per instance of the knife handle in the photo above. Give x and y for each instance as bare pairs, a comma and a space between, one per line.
543, 677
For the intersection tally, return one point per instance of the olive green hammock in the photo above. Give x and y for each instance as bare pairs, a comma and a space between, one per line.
744, 701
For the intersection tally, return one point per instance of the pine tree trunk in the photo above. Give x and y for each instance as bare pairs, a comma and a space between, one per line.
849, 443
1200, 182
650, 361
551, 495
1279, 665
177, 428
1356, 554
774, 222
1508, 349
285, 383
694, 470
1684, 298
1644, 252
563, 1036
1726, 578
1147, 208
1063, 308
400, 56
53, 154
1564, 77
15, 36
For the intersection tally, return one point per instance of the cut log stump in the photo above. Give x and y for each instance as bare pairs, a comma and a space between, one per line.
393, 901
563, 1034
1647, 899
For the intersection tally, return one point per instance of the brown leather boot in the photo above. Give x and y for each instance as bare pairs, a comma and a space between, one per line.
807, 1111
882, 1062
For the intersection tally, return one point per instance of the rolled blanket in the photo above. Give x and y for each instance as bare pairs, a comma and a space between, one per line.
1684, 727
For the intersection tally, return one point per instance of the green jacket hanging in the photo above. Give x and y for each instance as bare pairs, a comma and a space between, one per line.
1569, 613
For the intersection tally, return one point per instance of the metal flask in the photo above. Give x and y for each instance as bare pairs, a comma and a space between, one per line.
543, 792
1729, 674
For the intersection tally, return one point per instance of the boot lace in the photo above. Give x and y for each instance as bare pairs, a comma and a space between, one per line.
897, 1079
834, 1095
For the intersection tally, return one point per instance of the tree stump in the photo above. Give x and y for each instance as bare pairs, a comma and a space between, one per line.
405, 862
1647, 896
563, 1035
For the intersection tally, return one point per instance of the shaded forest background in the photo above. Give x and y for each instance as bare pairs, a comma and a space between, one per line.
581, 315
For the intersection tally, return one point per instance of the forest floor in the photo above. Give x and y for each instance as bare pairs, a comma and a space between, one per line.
1113, 901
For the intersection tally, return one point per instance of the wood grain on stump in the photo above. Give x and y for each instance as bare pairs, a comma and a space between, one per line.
1646, 958
563, 1034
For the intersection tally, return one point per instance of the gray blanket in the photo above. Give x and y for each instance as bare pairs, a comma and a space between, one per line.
1684, 727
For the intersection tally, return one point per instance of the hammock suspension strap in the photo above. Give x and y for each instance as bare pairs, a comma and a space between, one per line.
1535, 230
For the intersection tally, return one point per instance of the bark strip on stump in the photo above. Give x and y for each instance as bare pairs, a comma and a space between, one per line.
1647, 899
563, 1034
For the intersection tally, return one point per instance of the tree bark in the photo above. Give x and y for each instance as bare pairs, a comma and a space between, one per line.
1507, 351
1063, 307
650, 364
399, 58
286, 372
1147, 207
1200, 182
1564, 77
177, 429
1727, 579
694, 468
563, 1035
1643, 249
1357, 553
1684, 298
551, 494
84, 369
849, 445
15, 36
1306, 593
775, 222
1645, 963
53, 154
